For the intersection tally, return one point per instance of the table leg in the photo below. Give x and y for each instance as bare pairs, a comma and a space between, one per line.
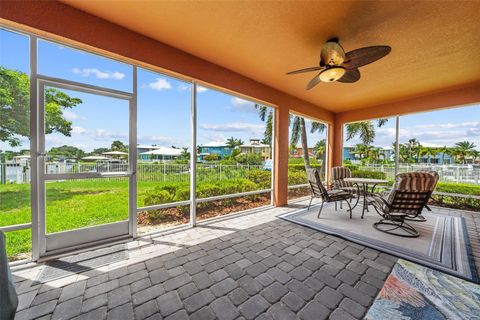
364, 200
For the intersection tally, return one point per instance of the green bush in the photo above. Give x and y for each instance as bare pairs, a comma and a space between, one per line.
301, 166
297, 177
369, 174
249, 158
261, 178
458, 202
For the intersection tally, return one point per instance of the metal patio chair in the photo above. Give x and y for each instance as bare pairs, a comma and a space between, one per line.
320, 191
410, 194
338, 182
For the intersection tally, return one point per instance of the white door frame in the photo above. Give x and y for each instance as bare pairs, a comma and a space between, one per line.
54, 243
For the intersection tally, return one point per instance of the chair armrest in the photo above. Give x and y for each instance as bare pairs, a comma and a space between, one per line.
378, 202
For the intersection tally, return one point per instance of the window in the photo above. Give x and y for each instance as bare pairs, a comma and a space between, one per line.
315, 134
80, 66
229, 131
15, 140
163, 150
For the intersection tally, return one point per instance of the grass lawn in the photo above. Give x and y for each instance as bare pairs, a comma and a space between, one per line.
71, 204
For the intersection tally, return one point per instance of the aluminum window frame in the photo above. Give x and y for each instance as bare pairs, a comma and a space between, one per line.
39, 81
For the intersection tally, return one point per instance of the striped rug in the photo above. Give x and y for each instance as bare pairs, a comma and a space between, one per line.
443, 243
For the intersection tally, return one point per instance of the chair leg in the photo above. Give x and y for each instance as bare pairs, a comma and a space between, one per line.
320, 211
335, 206
310, 203
408, 230
350, 209
427, 207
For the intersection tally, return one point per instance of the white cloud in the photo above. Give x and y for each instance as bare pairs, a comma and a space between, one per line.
86, 72
242, 105
160, 84
70, 115
187, 87
78, 130
256, 129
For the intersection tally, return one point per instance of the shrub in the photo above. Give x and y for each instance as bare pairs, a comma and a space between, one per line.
250, 158
297, 177
211, 157
261, 178
368, 174
458, 202
301, 166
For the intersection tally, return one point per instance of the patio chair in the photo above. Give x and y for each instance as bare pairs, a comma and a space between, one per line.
406, 200
421, 218
338, 182
320, 191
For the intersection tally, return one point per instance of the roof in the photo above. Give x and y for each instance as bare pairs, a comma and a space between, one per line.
164, 151
144, 146
435, 44
214, 144
255, 145
115, 153
95, 158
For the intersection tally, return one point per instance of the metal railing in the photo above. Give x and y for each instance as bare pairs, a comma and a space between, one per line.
447, 173
154, 172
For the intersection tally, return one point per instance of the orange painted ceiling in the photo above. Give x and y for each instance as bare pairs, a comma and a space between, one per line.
435, 45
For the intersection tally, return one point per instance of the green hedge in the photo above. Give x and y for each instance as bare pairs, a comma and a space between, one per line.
301, 166
369, 174
458, 202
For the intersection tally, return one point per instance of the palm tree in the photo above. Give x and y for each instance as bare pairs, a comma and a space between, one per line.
266, 115
233, 143
299, 131
463, 149
365, 130
444, 151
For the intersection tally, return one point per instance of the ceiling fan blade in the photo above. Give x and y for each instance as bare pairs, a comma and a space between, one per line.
306, 70
350, 76
363, 56
316, 80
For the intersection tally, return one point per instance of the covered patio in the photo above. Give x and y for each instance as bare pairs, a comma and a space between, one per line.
232, 237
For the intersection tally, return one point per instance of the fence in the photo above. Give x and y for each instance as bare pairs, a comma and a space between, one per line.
448, 173
158, 172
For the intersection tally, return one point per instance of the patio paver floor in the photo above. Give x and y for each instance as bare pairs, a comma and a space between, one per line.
251, 266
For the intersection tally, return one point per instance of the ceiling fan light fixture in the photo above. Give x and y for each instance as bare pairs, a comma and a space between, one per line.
332, 74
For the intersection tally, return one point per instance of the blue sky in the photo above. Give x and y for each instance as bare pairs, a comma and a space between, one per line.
164, 106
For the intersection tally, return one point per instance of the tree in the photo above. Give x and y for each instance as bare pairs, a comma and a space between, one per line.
15, 107
319, 149
212, 157
118, 145
66, 152
266, 115
299, 132
99, 151
365, 130
233, 143
185, 155
463, 149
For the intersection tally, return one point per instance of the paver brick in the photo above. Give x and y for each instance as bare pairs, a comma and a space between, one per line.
223, 287
73, 290
224, 309
274, 292
250, 285
145, 310
97, 314
68, 309
94, 303
169, 303
293, 301
353, 308
300, 289
329, 297
254, 306
204, 313
355, 294
238, 296
314, 311
198, 300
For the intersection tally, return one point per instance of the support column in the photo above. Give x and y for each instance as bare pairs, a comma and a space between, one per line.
330, 149
337, 143
280, 174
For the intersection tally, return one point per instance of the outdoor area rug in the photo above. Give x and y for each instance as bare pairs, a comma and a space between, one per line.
64, 267
415, 292
443, 243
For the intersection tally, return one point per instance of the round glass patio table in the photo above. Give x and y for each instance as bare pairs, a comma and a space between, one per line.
364, 184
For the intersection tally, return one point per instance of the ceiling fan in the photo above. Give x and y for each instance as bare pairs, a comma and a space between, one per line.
336, 65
